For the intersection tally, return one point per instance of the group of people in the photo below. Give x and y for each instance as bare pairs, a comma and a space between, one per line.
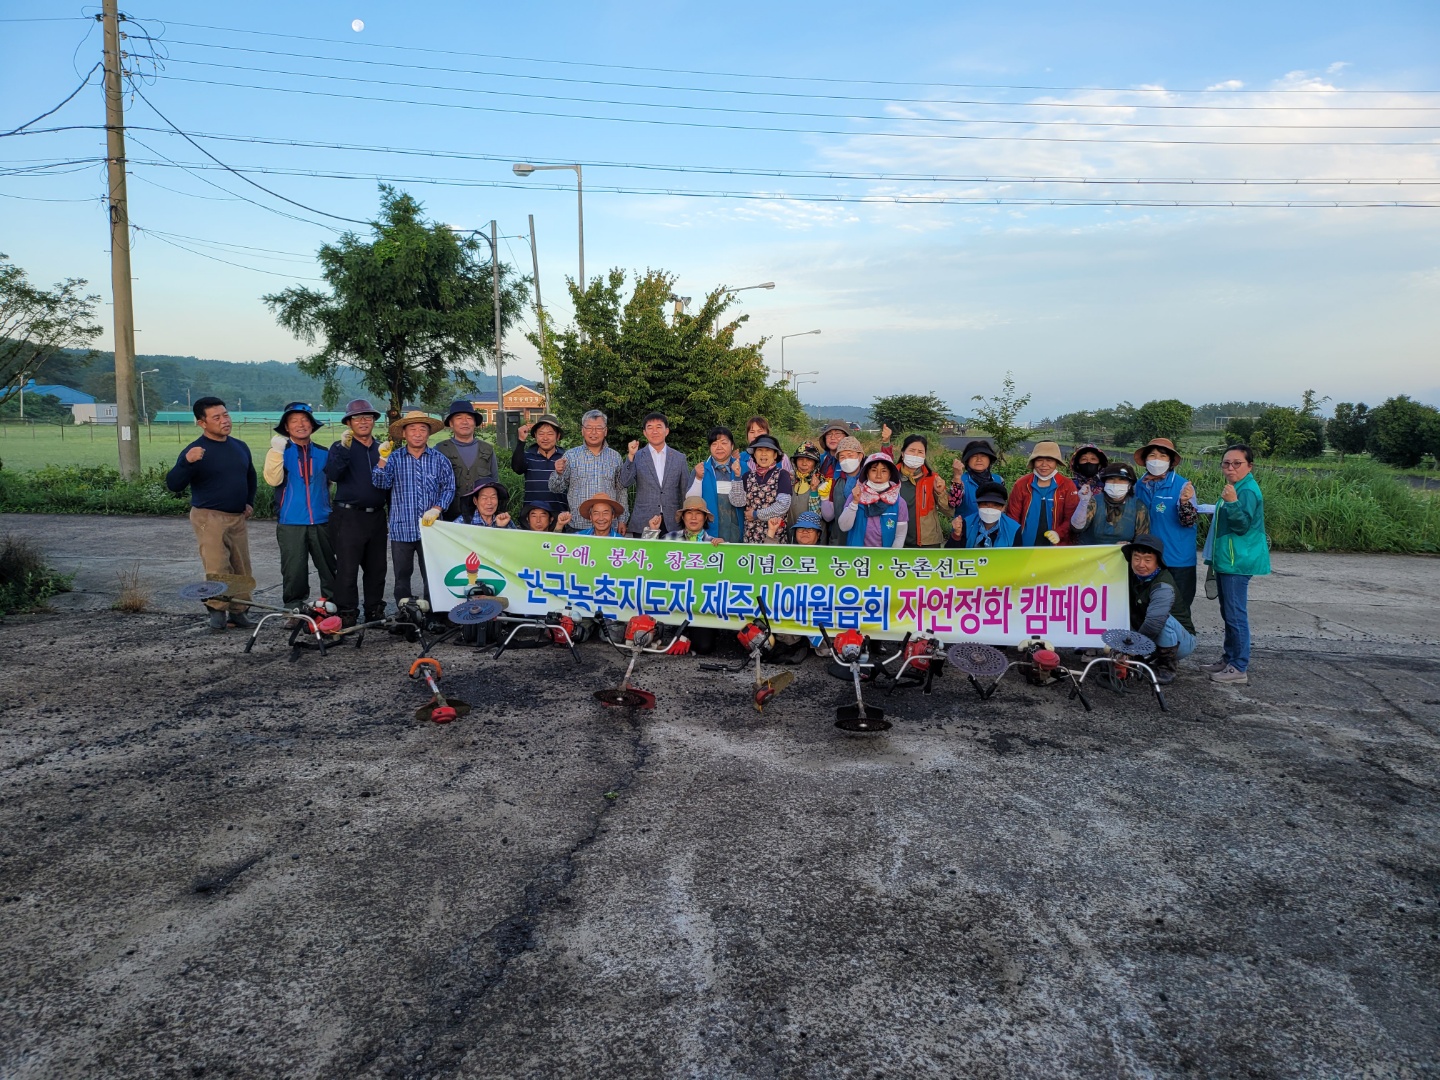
826, 492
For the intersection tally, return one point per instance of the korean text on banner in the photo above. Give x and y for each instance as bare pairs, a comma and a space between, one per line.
1068, 595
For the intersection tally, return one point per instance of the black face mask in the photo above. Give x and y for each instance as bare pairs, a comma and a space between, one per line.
1088, 469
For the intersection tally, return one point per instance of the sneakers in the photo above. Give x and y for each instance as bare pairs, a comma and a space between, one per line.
239, 620
217, 621
1215, 668
1231, 676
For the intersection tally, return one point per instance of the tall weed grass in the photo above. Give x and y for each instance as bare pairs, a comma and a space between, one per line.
25, 581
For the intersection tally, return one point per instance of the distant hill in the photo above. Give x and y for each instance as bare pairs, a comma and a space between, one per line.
265, 385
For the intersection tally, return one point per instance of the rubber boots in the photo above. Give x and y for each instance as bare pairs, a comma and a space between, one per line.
1166, 663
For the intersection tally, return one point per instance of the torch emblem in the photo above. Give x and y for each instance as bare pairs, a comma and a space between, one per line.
472, 569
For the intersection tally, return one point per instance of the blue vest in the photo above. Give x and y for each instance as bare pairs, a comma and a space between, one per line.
977, 533
1101, 531
889, 519
711, 494
1161, 499
304, 497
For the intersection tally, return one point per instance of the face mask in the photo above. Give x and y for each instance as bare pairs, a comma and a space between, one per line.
1158, 467
1088, 468
1117, 491
1044, 478
849, 465
878, 485
914, 461
990, 514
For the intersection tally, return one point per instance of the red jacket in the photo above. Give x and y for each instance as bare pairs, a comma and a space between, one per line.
1066, 500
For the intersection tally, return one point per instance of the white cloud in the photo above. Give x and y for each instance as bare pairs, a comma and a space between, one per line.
1228, 84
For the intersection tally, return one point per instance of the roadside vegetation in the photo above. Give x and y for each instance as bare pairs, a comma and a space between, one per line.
25, 581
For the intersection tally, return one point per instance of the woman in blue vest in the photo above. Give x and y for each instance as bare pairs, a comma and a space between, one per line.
1116, 517
972, 468
875, 515
713, 478
1170, 500
989, 526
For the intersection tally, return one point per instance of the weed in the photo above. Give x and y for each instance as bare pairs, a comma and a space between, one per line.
25, 581
135, 594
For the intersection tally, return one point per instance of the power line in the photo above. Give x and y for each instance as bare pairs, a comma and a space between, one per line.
770, 93
652, 121
216, 258
50, 112
798, 114
777, 78
212, 157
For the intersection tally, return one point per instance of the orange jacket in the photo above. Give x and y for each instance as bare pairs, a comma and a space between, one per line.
1066, 500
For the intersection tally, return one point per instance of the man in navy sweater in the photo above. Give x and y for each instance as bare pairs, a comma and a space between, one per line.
357, 517
220, 474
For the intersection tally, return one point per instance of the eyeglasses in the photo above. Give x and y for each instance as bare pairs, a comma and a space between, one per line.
1233, 464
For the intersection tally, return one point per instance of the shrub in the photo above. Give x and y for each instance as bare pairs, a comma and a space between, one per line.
25, 581
98, 489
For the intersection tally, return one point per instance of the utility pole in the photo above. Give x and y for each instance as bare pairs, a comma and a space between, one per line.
126, 415
539, 311
501, 439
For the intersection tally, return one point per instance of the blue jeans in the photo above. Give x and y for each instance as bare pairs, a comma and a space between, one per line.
1175, 634
1234, 595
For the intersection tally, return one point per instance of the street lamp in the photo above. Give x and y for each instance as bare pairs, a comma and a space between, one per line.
803, 333
524, 169
743, 288
144, 411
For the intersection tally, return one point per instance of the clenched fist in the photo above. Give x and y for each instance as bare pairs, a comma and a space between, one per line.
634, 445
502, 520
560, 464
347, 438
562, 520
277, 443
1187, 493
656, 522
194, 454
430, 516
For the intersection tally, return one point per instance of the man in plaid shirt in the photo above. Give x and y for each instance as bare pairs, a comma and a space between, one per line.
590, 469
421, 482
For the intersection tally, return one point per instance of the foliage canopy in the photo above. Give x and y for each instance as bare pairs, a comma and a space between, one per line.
910, 412
35, 324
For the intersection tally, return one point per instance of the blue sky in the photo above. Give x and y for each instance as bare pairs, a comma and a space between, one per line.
1087, 304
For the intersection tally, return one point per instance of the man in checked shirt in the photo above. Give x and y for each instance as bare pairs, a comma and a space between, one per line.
589, 469
421, 482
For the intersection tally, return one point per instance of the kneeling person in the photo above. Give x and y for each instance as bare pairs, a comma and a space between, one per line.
1152, 598
603, 513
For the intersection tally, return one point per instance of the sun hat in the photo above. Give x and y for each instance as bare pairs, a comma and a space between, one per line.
809, 520
1091, 448
880, 458
1157, 444
977, 446
590, 503
695, 502
501, 491
359, 407
835, 426
808, 450
848, 444
529, 508
1046, 449
414, 416
991, 492
1145, 542
458, 407
547, 418
294, 407
766, 442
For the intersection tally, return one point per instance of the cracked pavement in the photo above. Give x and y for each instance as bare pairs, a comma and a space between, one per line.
219, 864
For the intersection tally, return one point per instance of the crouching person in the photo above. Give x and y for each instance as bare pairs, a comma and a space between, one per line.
987, 526
1152, 598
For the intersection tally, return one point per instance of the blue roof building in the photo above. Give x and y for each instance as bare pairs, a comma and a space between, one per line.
69, 396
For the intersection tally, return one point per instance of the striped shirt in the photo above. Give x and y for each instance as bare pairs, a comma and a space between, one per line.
415, 485
588, 474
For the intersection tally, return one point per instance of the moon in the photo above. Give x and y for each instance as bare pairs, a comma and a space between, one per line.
358, 25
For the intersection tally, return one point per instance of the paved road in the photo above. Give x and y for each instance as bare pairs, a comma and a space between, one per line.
220, 864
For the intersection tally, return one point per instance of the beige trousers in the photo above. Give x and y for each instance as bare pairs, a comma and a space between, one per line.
224, 548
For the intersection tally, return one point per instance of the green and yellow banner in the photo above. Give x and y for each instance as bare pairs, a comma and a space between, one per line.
1069, 596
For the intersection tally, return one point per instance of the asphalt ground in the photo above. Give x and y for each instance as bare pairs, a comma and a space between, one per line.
220, 864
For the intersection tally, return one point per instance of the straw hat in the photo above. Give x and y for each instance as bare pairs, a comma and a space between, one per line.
594, 500
695, 502
1157, 444
414, 416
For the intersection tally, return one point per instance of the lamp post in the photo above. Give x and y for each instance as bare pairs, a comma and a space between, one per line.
803, 333
144, 411
743, 288
523, 169
24, 375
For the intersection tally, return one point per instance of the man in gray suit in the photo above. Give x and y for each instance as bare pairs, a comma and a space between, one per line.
660, 474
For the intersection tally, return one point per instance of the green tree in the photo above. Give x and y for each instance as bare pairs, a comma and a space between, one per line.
909, 412
1167, 419
37, 407
408, 309
1000, 416
1403, 431
1286, 432
1349, 430
35, 324
1080, 426
629, 357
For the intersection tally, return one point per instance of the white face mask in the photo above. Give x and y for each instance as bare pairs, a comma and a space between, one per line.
1158, 466
849, 465
990, 514
1117, 491
914, 461
878, 485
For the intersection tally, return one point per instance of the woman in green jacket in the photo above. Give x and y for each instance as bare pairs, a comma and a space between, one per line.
1239, 550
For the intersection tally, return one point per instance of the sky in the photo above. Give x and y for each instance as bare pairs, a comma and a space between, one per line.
908, 179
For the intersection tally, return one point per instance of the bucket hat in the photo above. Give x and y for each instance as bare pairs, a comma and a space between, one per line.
1145, 542
1157, 444
359, 407
695, 502
1046, 449
294, 407
501, 491
991, 492
458, 407
977, 446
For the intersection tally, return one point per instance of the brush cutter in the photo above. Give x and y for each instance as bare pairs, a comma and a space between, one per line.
1123, 662
850, 654
1037, 661
641, 634
756, 639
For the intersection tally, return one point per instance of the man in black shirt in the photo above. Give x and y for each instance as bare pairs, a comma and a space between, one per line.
357, 519
220, 474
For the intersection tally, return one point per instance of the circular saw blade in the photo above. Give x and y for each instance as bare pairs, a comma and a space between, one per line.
615, 697
203, 590
976, 659
478, 609
1128, 642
